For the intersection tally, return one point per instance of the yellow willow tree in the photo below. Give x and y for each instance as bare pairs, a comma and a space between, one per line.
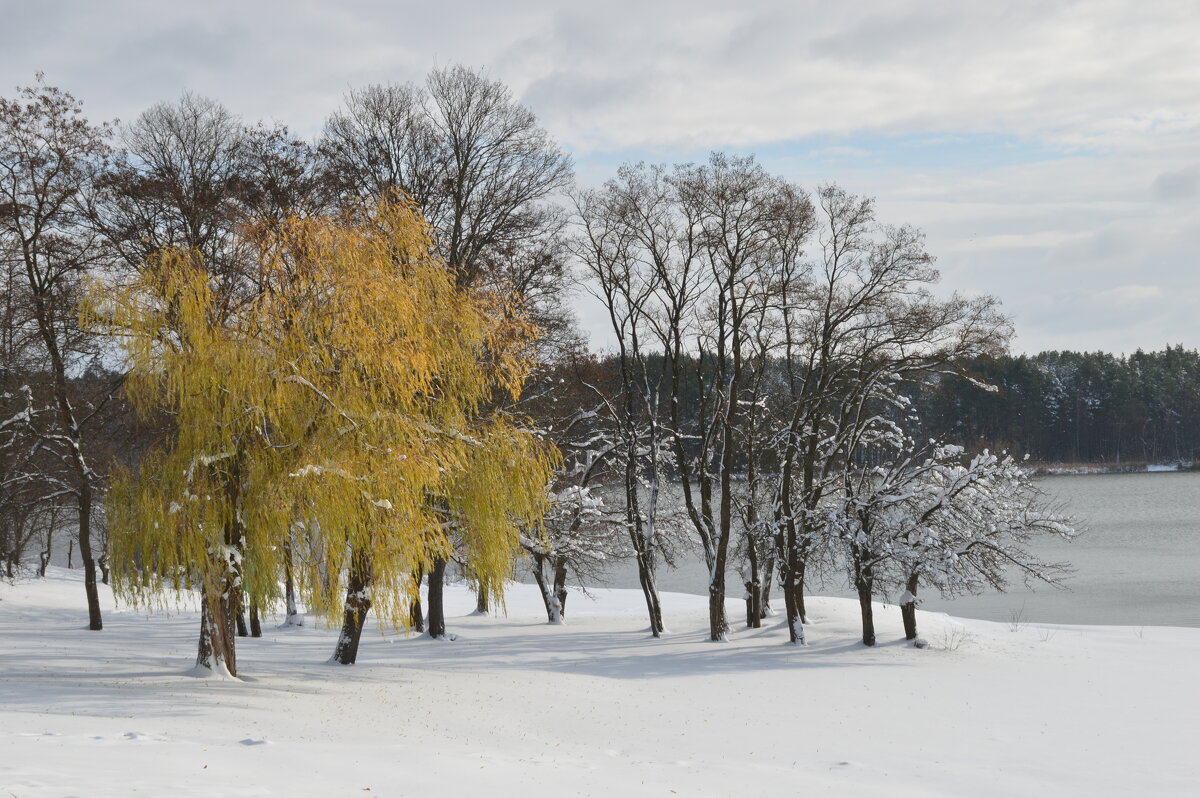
345, 396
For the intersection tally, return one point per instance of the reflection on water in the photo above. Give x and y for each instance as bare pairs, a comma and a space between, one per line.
1136, 564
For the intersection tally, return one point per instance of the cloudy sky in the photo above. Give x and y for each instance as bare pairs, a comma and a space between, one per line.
1050, 150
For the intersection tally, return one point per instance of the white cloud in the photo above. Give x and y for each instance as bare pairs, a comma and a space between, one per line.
1105, 89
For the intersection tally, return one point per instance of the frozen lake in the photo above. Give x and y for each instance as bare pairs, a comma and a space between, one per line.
1137, 562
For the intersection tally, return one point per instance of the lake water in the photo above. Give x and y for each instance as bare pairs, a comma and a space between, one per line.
1137, 561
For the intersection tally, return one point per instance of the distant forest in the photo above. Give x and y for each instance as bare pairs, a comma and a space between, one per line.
1091, 408
1074, 407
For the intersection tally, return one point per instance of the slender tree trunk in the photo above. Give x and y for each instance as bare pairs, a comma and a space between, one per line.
240, 616
718, 624
798, 586
481, 598
46, 553
289, 587
553, 614
81, 471
792, 591
908, 610
764, 603
754, 614
255, 622
650, 592
416, 614
95, 623
864, 583
560, 587
358, 604
437, 611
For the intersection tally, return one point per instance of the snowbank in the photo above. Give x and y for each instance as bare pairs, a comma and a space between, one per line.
595, 707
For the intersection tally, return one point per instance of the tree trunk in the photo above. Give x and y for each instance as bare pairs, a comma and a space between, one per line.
437, 612
82, 472
798, 586
216, 649
255, 623
481, 598
358, 604
764, 602
289, 588
865, 584
718, 624
650, 592
908, 609
416, 615
553, 615
560, 587
46, 553
794, 609
6, 549
754, 614
222, 587
95, 623
240, 616
751, 612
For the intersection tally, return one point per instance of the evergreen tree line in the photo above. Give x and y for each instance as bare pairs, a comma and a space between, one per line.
1074, 407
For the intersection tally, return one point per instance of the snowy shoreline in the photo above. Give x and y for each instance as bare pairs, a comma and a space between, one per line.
594, 707
1067, 469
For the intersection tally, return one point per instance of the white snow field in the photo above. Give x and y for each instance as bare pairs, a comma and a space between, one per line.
516, 707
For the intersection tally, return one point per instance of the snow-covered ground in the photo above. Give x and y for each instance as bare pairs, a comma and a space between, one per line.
596, 707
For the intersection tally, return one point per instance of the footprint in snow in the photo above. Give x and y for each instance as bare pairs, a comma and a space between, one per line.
252, 741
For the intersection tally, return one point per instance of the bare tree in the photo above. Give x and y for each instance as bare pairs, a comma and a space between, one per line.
578, 538
281, 176
475, 160
607, 246
49, 155
861, 320
179, 181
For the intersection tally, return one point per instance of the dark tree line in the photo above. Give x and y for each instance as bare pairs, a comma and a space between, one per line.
1074, 407
1057, 407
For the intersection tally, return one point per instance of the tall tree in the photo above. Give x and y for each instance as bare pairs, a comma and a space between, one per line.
474, 160
607, 246
343, 393
49, 155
